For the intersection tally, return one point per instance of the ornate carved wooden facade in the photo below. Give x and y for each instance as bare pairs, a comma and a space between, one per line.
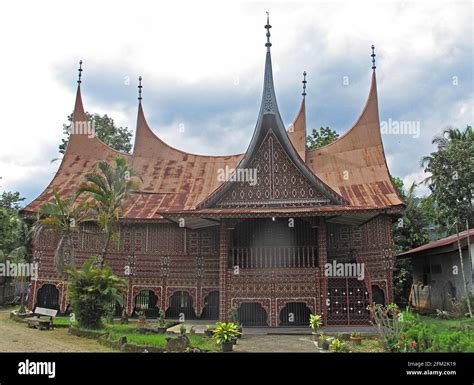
192, 244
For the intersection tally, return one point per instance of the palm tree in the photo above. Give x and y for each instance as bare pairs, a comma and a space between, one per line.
65, 216
110, 188
449, 135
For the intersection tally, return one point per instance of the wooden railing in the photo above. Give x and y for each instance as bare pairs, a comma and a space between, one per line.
267, 257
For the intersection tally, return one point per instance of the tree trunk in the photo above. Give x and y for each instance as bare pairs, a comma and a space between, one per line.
462, 272
105, 249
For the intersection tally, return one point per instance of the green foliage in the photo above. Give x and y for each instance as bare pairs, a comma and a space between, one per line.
429, 208
410, 231
452, 175
109, 187
389, 323
402, 281
10, 229
11, 200
225, 332
119, 138
452, 182
433, 335
320, 138
409, 332
339, 346
398, 183
115, 332
322, 337
91, 289
315, 321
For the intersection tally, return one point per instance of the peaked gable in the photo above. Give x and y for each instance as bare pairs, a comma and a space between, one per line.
273, 180
270, 133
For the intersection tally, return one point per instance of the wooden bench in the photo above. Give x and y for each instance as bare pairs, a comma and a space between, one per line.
42, 323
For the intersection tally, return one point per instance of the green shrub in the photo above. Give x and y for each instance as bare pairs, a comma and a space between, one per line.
338, 346
91, 289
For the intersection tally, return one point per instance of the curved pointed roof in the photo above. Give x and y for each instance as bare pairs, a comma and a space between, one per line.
297, 131
177, 179
351, 172
355, 164
83, 151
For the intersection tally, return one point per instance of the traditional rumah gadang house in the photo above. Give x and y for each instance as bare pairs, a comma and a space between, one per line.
291, 231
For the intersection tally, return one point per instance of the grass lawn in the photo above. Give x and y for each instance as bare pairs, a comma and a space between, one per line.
115, 331
62, 321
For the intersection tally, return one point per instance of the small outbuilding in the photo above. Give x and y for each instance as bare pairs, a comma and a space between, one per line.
437, 272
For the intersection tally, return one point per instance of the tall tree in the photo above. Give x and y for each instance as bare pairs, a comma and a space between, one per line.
11, 200
119, 138
452, 182
10, 226
409, 231
321, 137
109, 187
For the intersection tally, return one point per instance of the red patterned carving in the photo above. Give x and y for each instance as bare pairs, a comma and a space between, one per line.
279, 182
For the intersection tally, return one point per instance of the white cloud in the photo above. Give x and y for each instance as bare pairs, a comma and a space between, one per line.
197, 43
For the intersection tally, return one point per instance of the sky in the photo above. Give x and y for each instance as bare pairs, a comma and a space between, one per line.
202, 66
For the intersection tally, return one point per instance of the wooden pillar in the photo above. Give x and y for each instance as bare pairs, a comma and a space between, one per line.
322, 259
223, 274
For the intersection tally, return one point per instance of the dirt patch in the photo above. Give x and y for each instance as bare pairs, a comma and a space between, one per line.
17, 337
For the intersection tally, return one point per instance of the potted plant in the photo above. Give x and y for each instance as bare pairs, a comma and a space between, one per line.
182, 329
233, 315
315, 322
192, 330
323, 341
356, 338
224, 334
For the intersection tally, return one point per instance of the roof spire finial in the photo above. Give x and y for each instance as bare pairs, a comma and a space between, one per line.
80, 73
267, 27
304, 84
373, 57
140, 88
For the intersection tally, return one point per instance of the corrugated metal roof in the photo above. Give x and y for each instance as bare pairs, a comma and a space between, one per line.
353, 166
448, 241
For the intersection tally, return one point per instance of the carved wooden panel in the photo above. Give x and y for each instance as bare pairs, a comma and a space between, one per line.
278, 182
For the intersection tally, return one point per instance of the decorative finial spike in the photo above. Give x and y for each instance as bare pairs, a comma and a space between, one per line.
304, 84
267, 27
140, 88
79, 81
373, 57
